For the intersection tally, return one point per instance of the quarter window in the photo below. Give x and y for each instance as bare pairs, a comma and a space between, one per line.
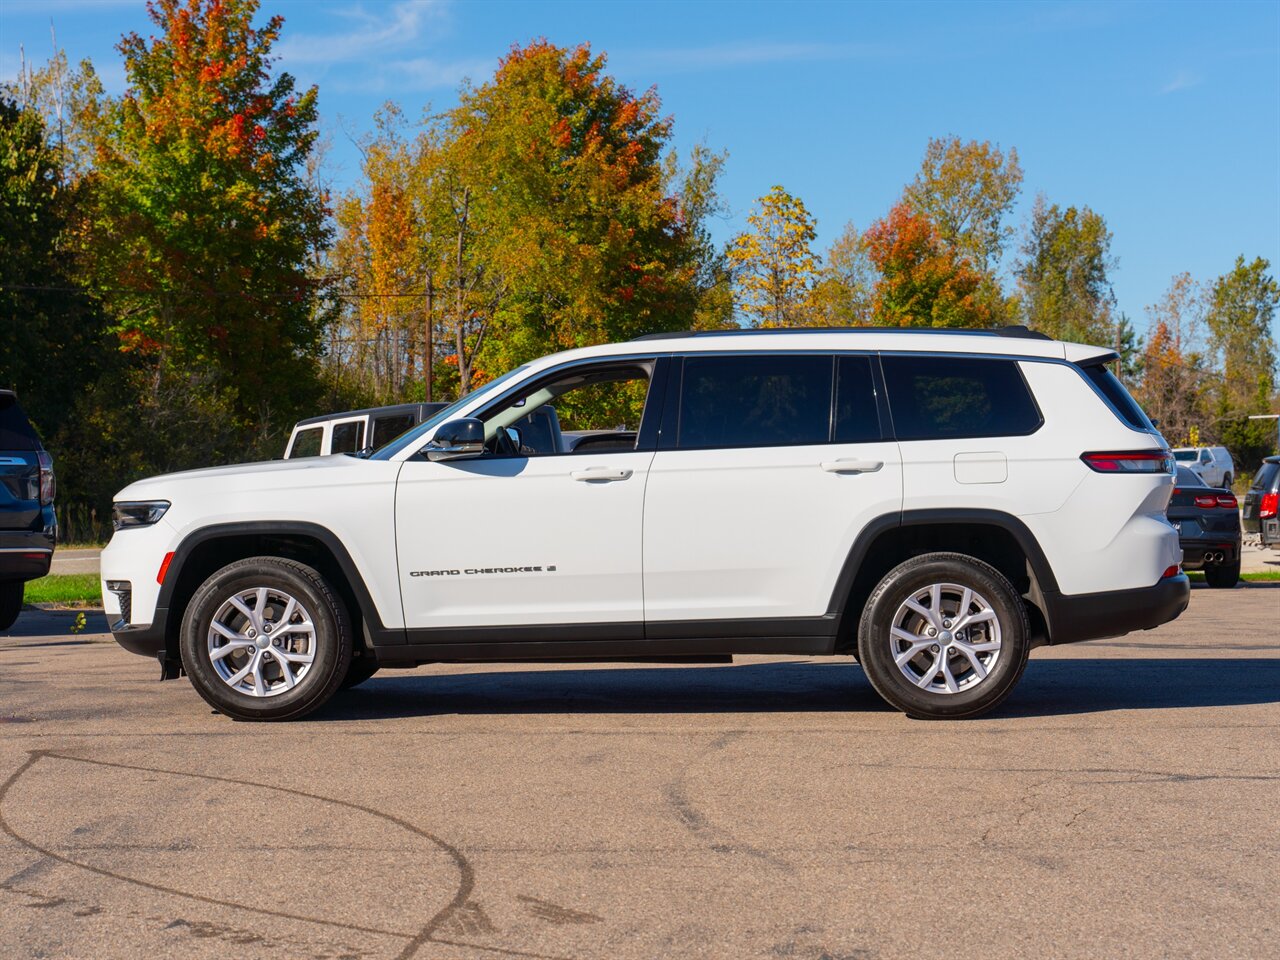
755, 401
937, 398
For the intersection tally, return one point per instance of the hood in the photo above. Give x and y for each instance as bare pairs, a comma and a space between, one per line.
305, 471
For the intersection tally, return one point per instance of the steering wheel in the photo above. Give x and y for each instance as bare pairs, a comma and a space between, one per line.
503, 445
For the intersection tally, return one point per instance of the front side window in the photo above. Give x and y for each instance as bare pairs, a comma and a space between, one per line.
306, 443
755, 401
387, 428
587, 409
939, 398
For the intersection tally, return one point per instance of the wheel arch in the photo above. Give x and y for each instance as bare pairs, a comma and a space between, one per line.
208, 549
993, 536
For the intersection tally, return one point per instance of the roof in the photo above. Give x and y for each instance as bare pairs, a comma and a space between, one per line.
416, 409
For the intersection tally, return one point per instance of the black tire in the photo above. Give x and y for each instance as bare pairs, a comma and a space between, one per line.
974, 695
1222, 576
10, 602
362, 668
1226, 480
330, 637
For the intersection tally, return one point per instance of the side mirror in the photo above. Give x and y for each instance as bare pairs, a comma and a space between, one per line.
457, 440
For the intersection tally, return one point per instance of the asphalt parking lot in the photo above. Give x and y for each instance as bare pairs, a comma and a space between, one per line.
1124, 803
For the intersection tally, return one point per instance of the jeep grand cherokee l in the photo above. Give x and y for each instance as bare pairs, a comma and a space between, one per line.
935, 504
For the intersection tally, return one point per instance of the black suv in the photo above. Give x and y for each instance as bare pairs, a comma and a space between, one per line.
1262, 504
28, 530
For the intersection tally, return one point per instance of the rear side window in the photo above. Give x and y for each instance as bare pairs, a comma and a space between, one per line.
16, 432
348, 437
938, 398
306, 443
1100, 376
857, 417
386, 429
755, 401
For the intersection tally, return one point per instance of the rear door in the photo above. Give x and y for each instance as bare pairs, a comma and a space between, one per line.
768, 467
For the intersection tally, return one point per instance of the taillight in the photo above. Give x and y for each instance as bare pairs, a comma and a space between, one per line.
1228, 501
1207, 501
46, 477
1130, 461
1270, 506
1170, 572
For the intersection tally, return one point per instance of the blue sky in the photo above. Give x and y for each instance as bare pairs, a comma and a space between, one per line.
1164, 117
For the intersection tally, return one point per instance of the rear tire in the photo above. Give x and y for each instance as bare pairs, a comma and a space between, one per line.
944, 636
1226, 480
266, 639
1222, 576
10, 603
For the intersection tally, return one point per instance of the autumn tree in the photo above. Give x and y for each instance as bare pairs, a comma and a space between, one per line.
773, 262
843, 293
923, 280
967, 189
1241, 310
204, 219
1174, 369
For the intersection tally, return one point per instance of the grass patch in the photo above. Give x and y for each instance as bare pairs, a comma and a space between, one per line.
64, 588
1264, 576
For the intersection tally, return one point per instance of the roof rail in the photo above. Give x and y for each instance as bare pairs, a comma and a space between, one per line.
1013, 331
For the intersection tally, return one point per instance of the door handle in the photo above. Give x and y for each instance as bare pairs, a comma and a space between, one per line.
601, 474
852, 466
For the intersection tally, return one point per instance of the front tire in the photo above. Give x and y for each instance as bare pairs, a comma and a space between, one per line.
1222, 576
361, 669
944, 636
266, 639
10, 603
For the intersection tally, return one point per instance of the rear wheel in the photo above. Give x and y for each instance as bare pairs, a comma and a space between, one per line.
10, 603
1222, 575
266, 639
1226, 480
944, 636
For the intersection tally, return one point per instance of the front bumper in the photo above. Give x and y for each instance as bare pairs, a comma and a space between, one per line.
1095, 616
144, 639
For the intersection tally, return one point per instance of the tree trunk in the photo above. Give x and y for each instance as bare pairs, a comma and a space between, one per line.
428, 345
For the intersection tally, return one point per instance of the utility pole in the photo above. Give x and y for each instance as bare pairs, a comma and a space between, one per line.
1269, 416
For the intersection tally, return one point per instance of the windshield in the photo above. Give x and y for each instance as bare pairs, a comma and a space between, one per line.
1186, 456
411, 437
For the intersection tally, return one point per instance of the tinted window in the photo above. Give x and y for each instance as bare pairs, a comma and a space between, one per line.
15, 432
386, 429
1266, 476
857, 418
1185, 456
934, 398
347, 437
755, 401
1102, 377
307, 443
1188, 479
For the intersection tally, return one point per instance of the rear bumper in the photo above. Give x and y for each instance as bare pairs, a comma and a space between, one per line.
1095, 616
26, 554
1193, 551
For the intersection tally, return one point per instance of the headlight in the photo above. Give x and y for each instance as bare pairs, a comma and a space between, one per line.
137, 513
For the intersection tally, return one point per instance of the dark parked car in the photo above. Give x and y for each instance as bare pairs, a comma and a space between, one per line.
1208, 523
1261, 513
28, 530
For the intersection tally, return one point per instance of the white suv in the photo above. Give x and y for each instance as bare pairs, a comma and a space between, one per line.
935, 504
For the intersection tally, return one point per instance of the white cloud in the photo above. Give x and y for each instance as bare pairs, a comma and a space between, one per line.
374, 35
1182, 80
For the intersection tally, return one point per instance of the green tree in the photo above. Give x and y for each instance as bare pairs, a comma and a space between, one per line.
967, 189
774, 264
205, 220
1064, 275
923, 280
1242, 308
844, 292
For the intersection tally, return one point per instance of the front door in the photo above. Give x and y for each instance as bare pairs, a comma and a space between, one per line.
776, 463
545, 527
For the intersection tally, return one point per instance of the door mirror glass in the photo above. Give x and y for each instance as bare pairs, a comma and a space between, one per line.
457, 440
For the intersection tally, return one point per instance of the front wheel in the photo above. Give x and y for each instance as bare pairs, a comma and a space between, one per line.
266, 639
10, 602
944, 636
1223, 576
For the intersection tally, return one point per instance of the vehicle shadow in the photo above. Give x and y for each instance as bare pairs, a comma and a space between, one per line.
1048, 688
